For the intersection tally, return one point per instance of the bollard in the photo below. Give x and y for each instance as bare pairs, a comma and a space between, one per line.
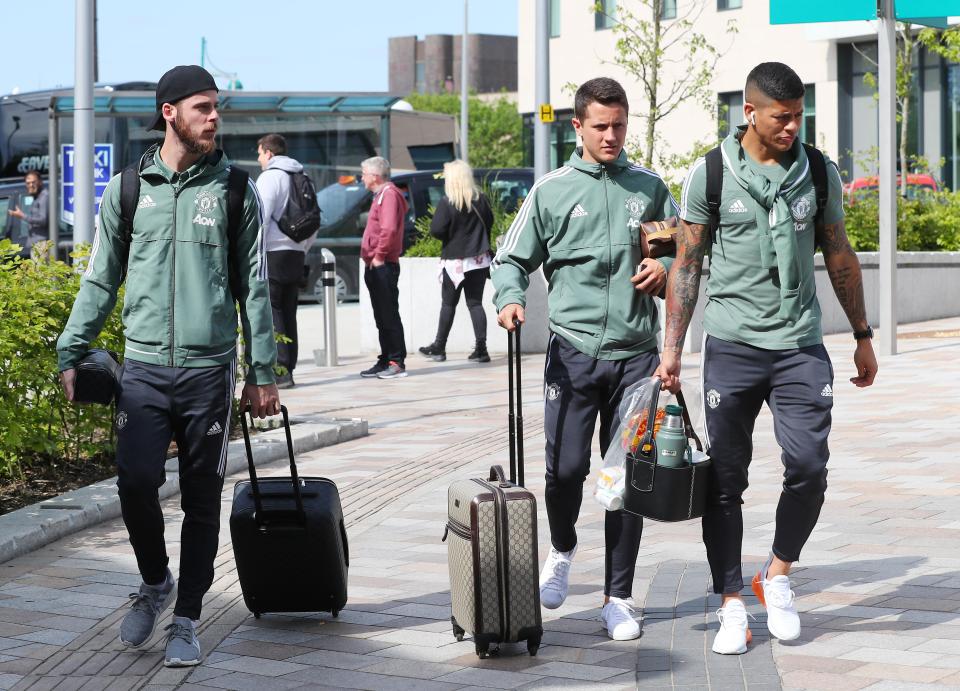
328, 279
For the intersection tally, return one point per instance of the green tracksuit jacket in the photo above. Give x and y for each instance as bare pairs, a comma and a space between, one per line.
181, 272
582, 223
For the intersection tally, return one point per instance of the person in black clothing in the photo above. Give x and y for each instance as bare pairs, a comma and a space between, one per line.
462, 221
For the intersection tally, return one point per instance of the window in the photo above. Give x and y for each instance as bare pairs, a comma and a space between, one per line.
668, 9
603, 18
729, 4
554, 18
808, 124
730, 112
420, 78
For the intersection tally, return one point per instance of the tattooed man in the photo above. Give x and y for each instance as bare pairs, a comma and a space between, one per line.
760, 204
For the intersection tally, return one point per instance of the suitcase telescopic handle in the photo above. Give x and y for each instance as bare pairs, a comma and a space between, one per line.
254, 484
515, 414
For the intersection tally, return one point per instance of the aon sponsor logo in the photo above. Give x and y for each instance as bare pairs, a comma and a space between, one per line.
203, 220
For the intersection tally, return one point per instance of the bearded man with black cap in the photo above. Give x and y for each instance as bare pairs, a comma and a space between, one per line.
184, 229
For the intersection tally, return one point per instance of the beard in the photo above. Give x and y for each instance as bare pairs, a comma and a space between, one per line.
193, 145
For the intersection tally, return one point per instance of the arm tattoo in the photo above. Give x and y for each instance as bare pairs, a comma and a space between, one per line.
683, 284
843, 267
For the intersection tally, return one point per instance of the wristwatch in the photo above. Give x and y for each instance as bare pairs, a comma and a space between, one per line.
866, 333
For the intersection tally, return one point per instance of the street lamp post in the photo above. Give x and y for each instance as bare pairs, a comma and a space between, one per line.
464, 91
83, 124
541, 129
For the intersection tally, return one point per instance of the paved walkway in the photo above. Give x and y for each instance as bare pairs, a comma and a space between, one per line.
879, 584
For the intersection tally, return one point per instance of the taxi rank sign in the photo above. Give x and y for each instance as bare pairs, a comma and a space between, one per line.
102, 170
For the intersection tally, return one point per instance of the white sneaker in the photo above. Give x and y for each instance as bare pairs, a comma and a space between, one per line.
555, 577
734, 633
617, 616
775, 594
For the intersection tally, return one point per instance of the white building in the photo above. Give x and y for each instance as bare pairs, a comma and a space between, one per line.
840, 110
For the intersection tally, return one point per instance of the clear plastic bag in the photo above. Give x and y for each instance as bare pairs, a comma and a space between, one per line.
632, 416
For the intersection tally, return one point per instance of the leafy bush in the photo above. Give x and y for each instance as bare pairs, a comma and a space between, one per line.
429, 246
929, 224
36, 421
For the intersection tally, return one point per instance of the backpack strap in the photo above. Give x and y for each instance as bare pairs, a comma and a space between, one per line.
129, 198
714, 163
236, 192
818, 171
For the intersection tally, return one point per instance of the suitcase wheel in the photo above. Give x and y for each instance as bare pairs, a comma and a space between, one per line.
256, 615
458, 632
533, 644
483, 650
335, 613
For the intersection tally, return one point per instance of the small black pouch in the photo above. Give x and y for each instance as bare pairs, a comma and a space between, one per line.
98, 377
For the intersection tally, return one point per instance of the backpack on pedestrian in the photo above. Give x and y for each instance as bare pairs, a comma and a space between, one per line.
301, 217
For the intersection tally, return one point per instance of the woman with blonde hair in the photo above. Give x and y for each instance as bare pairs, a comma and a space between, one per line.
462, 222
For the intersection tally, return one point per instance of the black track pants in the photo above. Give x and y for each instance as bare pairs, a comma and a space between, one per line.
192, 406
797, 385
285, 268
578, 388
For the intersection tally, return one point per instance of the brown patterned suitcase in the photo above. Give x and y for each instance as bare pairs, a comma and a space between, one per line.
491, 538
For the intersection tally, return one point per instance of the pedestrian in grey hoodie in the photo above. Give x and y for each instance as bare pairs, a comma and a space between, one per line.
285, 256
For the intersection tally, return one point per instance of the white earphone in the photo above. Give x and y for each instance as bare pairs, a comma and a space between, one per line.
753, 119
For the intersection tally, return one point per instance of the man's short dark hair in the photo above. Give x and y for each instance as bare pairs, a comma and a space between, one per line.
776, 81
600, 90
34, 173
274, 143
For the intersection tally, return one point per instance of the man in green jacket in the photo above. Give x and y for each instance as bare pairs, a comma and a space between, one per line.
582, 224
185, 274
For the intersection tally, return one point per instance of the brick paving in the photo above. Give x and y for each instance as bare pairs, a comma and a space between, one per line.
879, 585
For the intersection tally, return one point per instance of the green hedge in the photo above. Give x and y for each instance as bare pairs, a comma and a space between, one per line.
36, 421
930, 224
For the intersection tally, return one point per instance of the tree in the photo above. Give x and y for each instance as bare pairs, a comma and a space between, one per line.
495, 127
646, 44
945, 43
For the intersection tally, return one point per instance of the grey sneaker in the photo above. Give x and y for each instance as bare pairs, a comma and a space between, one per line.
148, 604
394, 371
183, 648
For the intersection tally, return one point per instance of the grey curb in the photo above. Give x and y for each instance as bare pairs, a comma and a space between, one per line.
30, 528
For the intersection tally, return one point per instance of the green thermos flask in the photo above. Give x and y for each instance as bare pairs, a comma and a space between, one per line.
673, 450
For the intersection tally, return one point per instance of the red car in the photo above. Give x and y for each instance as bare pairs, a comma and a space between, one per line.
919, 185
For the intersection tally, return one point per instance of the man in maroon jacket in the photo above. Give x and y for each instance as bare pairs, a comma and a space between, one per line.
380, 252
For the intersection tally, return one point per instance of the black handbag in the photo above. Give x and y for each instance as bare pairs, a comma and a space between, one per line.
98, 377
661, 492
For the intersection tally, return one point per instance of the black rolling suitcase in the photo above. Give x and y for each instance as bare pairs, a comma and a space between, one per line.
289, 540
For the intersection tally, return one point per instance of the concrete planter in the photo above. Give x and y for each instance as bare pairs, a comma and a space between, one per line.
420, 310
924, 291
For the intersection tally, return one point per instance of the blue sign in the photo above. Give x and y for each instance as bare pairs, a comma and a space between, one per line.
909, 9
102, 171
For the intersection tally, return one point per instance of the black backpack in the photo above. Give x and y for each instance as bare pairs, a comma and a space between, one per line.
301, 217
130, 196
714, 164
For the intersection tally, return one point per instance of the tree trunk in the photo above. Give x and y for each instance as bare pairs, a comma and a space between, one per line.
652, 85
905, 108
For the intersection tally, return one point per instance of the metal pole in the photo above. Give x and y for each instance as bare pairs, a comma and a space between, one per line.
329, 278
83, 125
53, 182
541, 130
887, 77
464, 91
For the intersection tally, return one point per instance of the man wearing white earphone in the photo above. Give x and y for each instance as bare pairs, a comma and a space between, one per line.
762, 203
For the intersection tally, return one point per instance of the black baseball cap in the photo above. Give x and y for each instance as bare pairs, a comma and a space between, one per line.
178, 83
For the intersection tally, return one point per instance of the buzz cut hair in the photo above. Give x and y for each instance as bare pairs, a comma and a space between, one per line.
599, 90
774, 80
274, 143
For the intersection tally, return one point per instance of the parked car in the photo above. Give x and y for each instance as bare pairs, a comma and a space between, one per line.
344, 207
918, 186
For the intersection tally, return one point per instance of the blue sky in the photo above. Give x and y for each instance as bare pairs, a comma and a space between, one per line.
310, 45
